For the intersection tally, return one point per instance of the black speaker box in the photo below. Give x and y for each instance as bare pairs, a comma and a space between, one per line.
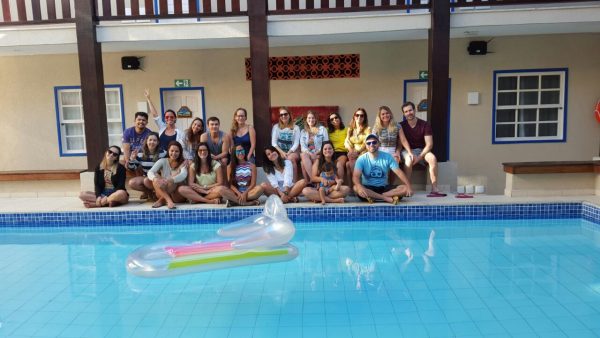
477, 48
130, 62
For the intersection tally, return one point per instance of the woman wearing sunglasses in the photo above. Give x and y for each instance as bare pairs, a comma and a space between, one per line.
205, 178
242, 180
285, 138
311, 138
355, 139
166, 175
337, 136
280, 177
109, 182
167, 129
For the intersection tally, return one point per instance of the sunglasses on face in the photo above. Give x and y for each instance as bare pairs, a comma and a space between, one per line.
371, 143
284, 114
240, 151
333, 118
169, 117
113, 153
202, 150
359, 115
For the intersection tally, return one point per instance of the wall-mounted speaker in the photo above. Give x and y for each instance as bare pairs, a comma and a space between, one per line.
477, 48
130, 62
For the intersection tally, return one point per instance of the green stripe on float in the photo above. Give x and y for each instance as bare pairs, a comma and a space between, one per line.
228, 258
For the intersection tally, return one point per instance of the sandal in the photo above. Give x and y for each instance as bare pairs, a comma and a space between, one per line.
396, 200
369, 200
436, 194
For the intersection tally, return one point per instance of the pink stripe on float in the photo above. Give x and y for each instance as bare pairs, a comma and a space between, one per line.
198, 248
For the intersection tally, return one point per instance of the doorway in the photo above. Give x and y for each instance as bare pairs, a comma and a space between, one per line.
187, 103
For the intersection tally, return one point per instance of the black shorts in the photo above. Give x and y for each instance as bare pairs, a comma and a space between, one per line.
339, 154
377, 189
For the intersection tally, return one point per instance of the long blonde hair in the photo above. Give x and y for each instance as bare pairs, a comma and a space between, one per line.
234, 124
306, 126
290, 123
378, 125
104, 162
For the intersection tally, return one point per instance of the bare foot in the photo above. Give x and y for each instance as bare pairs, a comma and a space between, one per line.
338, 200
159, 203
215, 201
171, 205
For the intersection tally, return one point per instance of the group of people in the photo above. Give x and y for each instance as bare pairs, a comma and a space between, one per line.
205, 164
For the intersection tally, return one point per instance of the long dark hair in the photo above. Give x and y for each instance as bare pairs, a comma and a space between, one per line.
197, 161
180, 159
330, 126
192, 138
268, 166
322, 160
146, 151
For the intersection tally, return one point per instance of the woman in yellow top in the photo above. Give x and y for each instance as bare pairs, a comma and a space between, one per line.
355, 139
337, 136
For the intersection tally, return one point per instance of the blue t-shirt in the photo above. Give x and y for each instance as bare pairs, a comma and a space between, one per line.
135, 140
375, 170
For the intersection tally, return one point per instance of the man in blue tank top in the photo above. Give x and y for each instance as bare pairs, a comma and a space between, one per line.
370, 175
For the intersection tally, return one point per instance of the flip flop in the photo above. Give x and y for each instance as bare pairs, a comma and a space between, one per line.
396, 200
436, 194
462, 195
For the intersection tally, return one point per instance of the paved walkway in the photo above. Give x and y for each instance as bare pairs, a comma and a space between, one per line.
49, 204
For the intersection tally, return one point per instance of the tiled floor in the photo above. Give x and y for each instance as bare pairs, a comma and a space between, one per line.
73, 204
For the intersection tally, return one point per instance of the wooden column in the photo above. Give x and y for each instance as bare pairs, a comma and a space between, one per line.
261, 91
92, 82
437, 88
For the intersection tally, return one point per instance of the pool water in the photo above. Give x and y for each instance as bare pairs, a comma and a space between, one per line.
414, 279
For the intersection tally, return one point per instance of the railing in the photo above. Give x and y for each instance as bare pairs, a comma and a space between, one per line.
25, 12
41, 11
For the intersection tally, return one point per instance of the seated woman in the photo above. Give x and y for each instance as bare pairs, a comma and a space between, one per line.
242, 180
281, 177
166, 175
205, 178
145, 160
355, 139
192, 138
330, 187
311, 139
337, 136
109, 182
391, 137
243, 133
285, 138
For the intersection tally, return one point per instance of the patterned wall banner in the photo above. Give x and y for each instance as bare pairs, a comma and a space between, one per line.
311, 67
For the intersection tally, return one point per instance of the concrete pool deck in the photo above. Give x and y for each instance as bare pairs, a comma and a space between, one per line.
62, 204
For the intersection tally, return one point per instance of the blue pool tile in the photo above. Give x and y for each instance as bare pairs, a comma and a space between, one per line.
314, 332
290, 331
240, 333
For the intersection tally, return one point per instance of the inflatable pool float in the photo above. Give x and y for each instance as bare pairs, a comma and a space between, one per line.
258, 239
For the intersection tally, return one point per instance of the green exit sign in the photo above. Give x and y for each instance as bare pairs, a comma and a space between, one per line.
183, 83
423, 75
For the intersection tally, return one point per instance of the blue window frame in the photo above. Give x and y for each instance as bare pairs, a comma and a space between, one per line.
530, 106
69, 118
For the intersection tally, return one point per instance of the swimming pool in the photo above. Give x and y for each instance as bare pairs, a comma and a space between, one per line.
358, 279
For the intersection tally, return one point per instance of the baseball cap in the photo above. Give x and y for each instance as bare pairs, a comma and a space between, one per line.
372, 136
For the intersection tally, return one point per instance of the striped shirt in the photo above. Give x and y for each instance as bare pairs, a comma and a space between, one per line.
146, 162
